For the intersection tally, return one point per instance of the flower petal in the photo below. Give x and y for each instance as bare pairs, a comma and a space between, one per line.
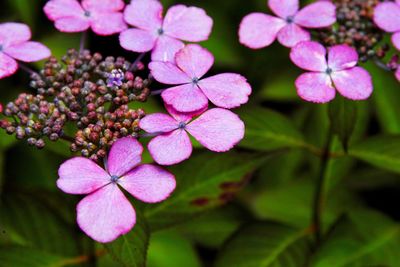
397, 74
258, 30
72, 24
8, 66
284, 8
217, 129
309, 56
315, 87
137, 40
185, 98
355, 83
125, 154
342, 57
28, 51
291, 34
316, 15
227, 90
184, 116
106, 214
387, 16
396, 40
158, 123
194, 60
144, 14
81, 176
108, 23
168, 73
190, 24
104, 5
13, 33
166, 49
149, 183
57, 9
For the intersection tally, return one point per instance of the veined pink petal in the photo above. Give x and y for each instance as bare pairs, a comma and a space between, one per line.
291, 34
397, 74
158, 123
137, 40
184, 116
81, 176
217, 129
315, 87
258, 30
149, 183
227, 90
309, 56
194, 60
185, 98
57, 9
284, 8
104, 5
168, 73
316, 15
106, 214
8, 66
144, 14
125, 154
13, 33
72, 24
387, 16
342, 57
108, 23
170, 148
166, 48
396, 40
355, 83
190, 24
28, 51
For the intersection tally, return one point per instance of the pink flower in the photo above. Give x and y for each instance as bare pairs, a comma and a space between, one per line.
258, 30
339, 72
15, 44
387, 17
227, 90
163, 36
103, 16
106, 213
217, 129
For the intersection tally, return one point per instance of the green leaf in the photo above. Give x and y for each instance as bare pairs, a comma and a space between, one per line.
26, 10
266, 245
6, 140
381, 151
59, 43
16, 256
280, 88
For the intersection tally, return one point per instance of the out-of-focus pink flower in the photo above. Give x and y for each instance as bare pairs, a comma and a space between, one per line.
106, 213
258, 30
227, 90
325, 77
163, 36
387, 17
397, 74
103, 16
15, 44
216, 129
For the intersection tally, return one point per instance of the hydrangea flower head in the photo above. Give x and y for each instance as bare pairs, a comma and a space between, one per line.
338, 72
106, 213
163, 36
258, 30
216, 129
15, 45
227, 90
103, 16
387, 17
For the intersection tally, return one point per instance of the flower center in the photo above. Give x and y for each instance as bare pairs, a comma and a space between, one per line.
1, 47
160, 31
195, 80
115, 78
182, 125
328, 71
87, 14
290, 19
114, 178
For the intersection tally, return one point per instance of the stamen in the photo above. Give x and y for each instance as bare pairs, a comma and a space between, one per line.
160, 31
195, 80
114, 178
290, 19
87, 14
1, 47
328, 71
182, 125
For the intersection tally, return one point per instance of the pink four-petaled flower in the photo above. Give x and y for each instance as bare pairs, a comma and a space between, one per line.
106, 213
339, 73
163, 36
227, 90
15, 44
103, 16
387, 17
258, 30
216, 129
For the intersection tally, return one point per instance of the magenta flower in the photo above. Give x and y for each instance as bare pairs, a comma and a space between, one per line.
163, 36
339, 72
387, 17
258, 30
216, 129
106, 213
15, 45
103, 16
227, 90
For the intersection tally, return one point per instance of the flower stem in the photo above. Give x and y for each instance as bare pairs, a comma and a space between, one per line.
137, 60
67, 138
83, 41
157, 92
381, 64
27, 69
